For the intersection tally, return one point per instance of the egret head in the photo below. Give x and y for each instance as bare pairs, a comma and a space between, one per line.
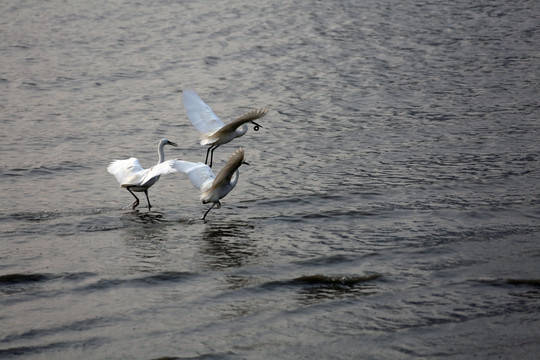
166, 141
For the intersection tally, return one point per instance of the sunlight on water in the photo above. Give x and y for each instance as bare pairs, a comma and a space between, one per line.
390, 209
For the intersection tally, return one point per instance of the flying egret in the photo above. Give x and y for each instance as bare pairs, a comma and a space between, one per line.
131, 175
214, 131
212, 187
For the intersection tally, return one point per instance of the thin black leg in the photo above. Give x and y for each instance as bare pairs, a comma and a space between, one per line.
136, 203
212, 154
147, 199
207, 211
208, 152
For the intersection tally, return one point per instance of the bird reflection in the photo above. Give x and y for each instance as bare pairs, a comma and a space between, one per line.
228, 244
144, 235
133, 220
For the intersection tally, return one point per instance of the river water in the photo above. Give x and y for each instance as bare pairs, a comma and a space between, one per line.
390, 209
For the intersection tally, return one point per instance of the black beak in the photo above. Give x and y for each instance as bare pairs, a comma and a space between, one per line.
257, 126
245, 163
173, 144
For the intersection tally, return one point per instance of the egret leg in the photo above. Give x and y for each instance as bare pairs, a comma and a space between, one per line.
207, 211
136, 203
208, 152
211, 149
147, 199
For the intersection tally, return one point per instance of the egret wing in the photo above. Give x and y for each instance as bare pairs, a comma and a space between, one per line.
200, 114
122, 169
163, 168
225, 175
250, 116
198, 173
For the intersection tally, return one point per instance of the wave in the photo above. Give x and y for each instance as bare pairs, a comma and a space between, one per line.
150, 280
40, 170
52, 285
321, 281
20, 278
12, 279
38, 350
346, 280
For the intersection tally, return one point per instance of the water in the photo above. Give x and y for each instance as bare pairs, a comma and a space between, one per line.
391, 209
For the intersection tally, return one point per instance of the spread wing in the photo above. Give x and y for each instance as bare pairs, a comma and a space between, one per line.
198, 173
123, 169
165, 167
200, 114
130, 172
225, 175
252, 115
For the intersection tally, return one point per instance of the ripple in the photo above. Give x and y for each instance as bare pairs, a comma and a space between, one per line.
22, 278
345, 280
12, 279
323, 280
143, 281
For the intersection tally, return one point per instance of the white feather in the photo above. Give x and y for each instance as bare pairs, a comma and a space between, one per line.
121, 169
200, 114
200, 175
130, 172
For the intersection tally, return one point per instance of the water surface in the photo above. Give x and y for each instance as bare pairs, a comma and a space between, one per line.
391, 208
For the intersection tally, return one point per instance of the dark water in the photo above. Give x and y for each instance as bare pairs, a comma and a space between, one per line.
391, 209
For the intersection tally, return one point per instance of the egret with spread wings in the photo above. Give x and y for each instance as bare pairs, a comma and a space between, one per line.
214, 131
131, 175
212, 187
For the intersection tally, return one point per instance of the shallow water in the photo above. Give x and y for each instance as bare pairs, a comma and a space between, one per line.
391, 208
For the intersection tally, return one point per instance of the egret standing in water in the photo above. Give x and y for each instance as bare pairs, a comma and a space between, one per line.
213, 188
130, 174
214, 131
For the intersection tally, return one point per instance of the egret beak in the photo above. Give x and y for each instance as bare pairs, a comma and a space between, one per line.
173, 144
245, 163
257, 126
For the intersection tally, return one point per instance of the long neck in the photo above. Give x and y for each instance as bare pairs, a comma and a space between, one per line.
234, 179
241, 130
160, 153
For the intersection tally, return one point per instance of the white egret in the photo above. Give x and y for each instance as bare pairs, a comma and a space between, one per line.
214, 131
131, 175
213, 188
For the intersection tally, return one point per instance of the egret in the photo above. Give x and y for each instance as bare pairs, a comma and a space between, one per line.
212, 187
214, 131
131, 175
